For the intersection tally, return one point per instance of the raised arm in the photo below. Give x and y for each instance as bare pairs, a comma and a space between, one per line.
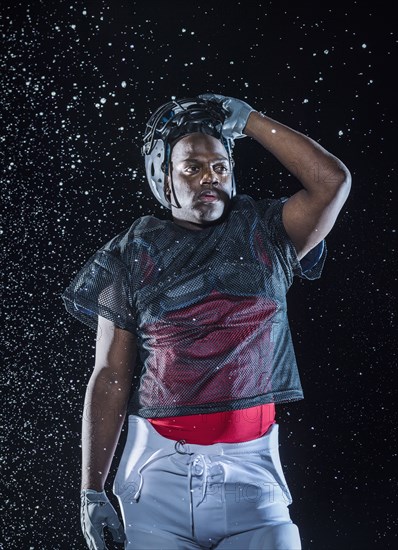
309, 214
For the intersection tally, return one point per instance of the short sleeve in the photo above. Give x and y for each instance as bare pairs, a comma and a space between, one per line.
311, 265
102, 287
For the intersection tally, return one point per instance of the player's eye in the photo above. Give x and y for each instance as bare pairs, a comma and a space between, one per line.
191, 169
221, 169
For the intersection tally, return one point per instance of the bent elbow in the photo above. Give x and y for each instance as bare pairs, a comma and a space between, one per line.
343, 177
345, 184
340, 183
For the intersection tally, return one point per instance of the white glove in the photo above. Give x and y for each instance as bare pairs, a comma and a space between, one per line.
97, 512
236, 120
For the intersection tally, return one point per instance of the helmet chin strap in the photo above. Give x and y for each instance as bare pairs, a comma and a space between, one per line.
168, 168
233, 187
177, 204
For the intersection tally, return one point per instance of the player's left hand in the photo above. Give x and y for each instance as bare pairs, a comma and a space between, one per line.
238, 113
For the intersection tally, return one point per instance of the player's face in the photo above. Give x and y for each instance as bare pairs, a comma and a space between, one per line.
202, 180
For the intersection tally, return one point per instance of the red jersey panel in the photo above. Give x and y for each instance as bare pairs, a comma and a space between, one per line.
220, 427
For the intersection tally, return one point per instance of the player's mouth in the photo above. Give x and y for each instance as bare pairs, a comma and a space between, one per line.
209, 196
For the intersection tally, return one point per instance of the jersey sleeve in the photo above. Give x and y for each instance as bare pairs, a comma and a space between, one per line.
102, 287
311, 265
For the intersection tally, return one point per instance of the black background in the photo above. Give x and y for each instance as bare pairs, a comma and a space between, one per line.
80, 80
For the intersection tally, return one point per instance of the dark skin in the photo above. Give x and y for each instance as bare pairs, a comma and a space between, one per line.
308, 215
202, 182
201, 173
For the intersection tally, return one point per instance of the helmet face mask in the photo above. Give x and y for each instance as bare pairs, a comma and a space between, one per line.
171, 122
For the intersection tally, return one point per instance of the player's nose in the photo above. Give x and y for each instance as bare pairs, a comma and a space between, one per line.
209, 176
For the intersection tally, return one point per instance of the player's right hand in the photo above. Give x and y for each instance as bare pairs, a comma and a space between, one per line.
238, 113
96, 512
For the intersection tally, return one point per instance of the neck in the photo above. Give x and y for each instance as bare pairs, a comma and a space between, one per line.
192, 225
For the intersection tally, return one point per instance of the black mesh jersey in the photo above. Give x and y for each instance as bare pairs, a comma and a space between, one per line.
208, 308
